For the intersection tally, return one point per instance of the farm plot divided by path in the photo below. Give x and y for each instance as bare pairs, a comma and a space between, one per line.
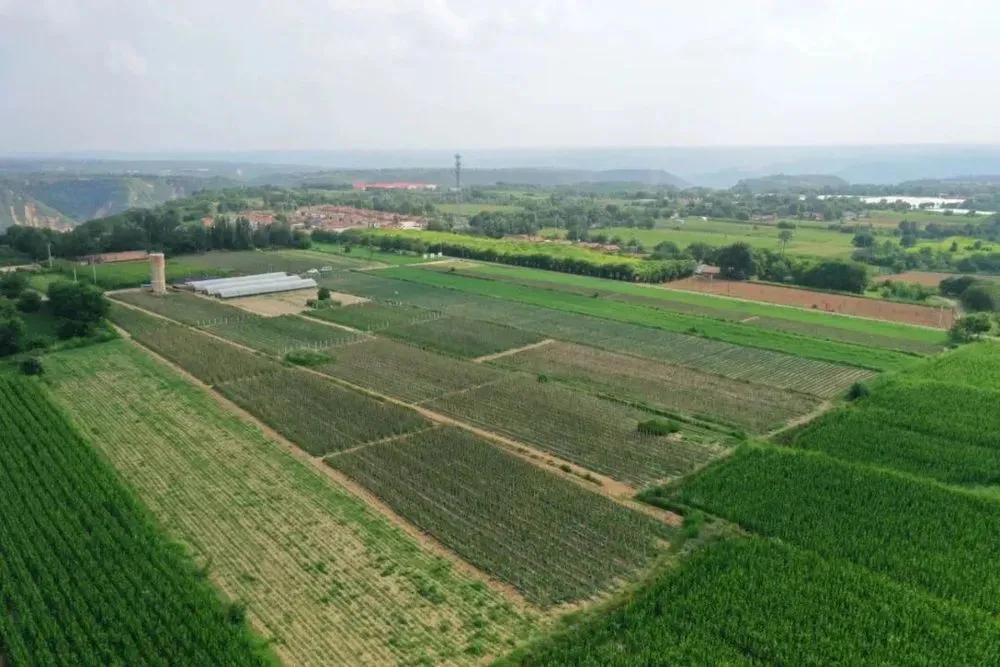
752, 364
552, 540
85, 577
328, 579
582, 429
463, 337
756, 408
373, 316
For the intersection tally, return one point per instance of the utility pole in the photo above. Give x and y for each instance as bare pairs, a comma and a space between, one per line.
93, 268
458, 172
49, 247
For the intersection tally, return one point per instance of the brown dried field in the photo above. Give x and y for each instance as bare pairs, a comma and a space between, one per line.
878, 309
925, 278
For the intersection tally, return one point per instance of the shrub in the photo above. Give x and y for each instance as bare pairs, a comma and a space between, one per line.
307, 358
658, 427
13, 283
31, 366
77, 301
970, 328
11, 335
956, 285
73, 328
323, 294
30, 301
858, 390
982, 296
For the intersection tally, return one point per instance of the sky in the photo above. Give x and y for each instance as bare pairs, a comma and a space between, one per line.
190, 75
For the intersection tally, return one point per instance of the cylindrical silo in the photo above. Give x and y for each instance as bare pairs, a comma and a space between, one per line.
158, 272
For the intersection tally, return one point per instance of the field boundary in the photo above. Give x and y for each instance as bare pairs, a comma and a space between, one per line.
617, 491
513, 350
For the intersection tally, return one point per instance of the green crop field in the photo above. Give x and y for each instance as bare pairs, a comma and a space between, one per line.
369, 255
664, 387
887, 335
373, 316
85, 576
591, 432
806, 240
280, 335
404, 372
210, 360
973, 365
462, 337
184, 307
754, 602
324, 576
887, 523
317, 414
732, 332
548, 537
745, 363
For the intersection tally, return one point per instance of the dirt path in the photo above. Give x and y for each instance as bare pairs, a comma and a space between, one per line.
507, 353
619, 492
342, 480
820, 410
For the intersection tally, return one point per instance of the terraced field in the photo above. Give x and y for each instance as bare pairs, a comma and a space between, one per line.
664, 387
552, 540
591, 432
325, 577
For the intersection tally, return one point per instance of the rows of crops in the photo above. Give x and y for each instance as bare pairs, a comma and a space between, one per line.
316, 414
323, 575
280, 335
462, 337
589, 431
755, 601
184, 307
890, 335
752, 364
927, 536
552, 540
373, 316
404, 372
663, 386
211, 361
739, 333
975, 365
85, 578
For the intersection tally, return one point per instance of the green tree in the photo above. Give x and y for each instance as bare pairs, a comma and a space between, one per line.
13, 283
736, 262
30, 301
785, 235
77, 302
11, 335
970, 328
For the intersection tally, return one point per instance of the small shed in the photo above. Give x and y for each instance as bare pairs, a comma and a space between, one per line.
706, 271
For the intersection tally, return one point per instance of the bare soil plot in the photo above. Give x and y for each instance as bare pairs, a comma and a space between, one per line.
272, 305
328, 579
879, 309
754, 407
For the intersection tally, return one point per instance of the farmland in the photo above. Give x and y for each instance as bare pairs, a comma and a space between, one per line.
462, 337
85, 576
940, 318
840, 510
887, 334
324, 576
596, 434
726, 605
373, 316
404, 372
663, 386
733, 332
553, 541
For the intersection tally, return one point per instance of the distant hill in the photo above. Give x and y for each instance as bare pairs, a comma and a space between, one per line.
59, 201
792, 183
530, 176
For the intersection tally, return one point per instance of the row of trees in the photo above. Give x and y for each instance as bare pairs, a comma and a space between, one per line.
79, 309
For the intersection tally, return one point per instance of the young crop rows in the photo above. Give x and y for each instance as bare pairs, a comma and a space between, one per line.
462, 337
315, 413
211, 361
549, 538
85, 579
326, 578
592, 432
755, 601
756, 408
280, 335
373, 316
975, 365
403, 371
923, 535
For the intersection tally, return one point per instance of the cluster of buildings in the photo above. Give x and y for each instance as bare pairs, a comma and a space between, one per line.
393, 185
338, 218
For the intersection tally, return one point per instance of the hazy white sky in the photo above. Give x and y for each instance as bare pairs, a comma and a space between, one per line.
327, 74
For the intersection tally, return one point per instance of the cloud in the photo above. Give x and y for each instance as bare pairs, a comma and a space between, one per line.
120, 57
